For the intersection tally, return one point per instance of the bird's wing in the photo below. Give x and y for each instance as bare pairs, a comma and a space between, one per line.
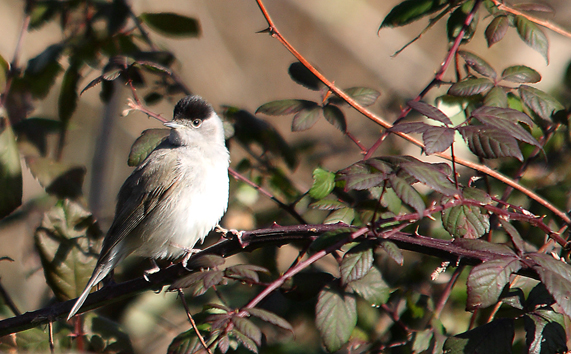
144, 190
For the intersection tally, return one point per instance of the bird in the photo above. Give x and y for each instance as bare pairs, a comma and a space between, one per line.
174, 198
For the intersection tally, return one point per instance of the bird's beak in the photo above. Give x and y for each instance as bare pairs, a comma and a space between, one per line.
173, 125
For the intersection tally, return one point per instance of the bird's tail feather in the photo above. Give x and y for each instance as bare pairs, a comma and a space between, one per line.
99, 273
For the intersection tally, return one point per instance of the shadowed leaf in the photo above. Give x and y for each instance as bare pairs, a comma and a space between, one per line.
248, 328
335, 116
514, 235
412, 127
343, 215
545, 332
356, 263
543, 104
336, 316
411, 10
372, 287
301, 75
532, 35
487, 280
478, 64
305, 119
429, 111
495, 337
270, 317
327, 204
520, 74
496, 97
407, 193
437, 139
184, 343
497, 29
285, 107
67, 101
10, 171
171, 24
431, 176
470, 87
556, 275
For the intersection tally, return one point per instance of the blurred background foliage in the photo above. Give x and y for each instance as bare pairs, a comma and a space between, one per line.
77, 147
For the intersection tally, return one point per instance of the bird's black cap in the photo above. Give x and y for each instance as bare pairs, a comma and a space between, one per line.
191, 107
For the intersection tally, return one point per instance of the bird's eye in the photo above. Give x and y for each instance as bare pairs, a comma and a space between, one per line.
196, 123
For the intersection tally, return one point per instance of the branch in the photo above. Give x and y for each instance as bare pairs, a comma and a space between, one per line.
272, 29
249, 241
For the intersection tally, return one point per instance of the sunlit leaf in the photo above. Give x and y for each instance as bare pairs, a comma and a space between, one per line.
542, 103
407, 193
545, 332
556, 275
305, 119
172, 24
465, 221
430, 175
392, 251
335, 116
245, 271
343, 215
507, 120
478, 64
284, 107
496, 97
327, 204
490, 143
497, 29
429, 111
323, 183
437, 139
470, 87
532, 35
520, 74
411, 10
487, 280
336, 316
356, 263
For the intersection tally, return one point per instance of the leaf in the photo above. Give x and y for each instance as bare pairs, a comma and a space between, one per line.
431, 176
303, 76
497, 29
171, 24
270, 317
323, 183
285, 107
248, 328
10, 171
145, 144
465, 221
63, 243
496, 97
457, 19
437, 139
392, 251
364, 181
407, 194
470, 87
521, 74
212, 278
305, 119
336, 316
245, 271
67, 101
556, 275
185, 343
478, 64
490, 143
356, 263
372, 288
539, 297
545, 332
36, 131
494, 249
506, 120
487, 280
42, 70
330, 238
543, 104
335, 116
206, 261
495, 337
363, 95
245, 340
412, 127
429, 111
411, 10
343, 215
327, 204
64, 180
532, 35
305, 285
514, 235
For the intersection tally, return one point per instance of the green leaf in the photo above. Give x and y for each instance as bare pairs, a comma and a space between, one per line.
42, 71
305, 119
270, 317
31, 340
545, 332
556, 275
392, 251
495, 337
63, 243
363, 95
490, 143
336, 316
323, 183
520, 74
36, 131
496, 97
487, 280
470, 87
429, 111
301, 75
497, 29
407, 194
10, 171
343, 215
145, 144
113, 338
457, 20
64, 180
330, 238
372, 288
245, 340
514, 235
356, 263
411, 10
248, 328
437, 139
327, 204
67, 101
465, 221
532, 35
335, 116
285, 107
543, 104
185, 343
478, 64
431, 176
412, 127
172, 24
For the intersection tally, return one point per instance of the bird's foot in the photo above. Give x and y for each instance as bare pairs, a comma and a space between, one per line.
153, 270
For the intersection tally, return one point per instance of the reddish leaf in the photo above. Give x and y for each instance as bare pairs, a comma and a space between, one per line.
335, 116
356, 264
437, 139
506, 120
496, 97
543, 104
497, 29
431, 176
429, 111
487, 280
514, 235
490, 143
270, 317
470, 87
412, 127
532, 35
407, 193
478, 64
556, 275
305, 118
284, 107
521, 74
248, 328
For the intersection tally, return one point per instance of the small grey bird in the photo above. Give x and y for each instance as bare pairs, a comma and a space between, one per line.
175, 196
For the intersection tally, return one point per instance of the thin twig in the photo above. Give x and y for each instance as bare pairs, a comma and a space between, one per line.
191, 320
447, 291
478, 167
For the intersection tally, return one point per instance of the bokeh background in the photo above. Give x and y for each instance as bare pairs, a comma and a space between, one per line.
232, 64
